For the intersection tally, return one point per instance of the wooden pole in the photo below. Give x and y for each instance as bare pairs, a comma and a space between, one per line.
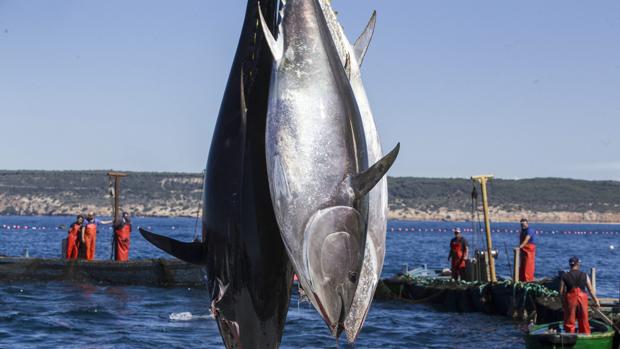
117, 195
606, 319
117, 191
487, 224
517, 259
593, 279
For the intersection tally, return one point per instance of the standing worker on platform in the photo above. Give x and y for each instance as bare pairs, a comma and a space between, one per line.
88, 235
458, 254
573, 287
73, 242
122, 234
527, 247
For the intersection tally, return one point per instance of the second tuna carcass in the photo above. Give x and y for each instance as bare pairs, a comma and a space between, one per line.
317, 162
352, 56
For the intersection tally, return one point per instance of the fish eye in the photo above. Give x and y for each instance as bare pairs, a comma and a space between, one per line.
353, 276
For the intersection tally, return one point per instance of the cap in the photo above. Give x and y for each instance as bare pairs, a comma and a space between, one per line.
573, 260
457, 230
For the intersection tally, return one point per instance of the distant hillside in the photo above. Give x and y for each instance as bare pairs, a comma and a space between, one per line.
178, 194
70, 192
545, 199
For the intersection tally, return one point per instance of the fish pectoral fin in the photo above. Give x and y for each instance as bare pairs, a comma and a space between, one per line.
363, 182
191, 252
363, 41
275, 46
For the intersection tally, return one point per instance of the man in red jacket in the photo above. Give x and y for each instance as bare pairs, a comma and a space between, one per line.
458, 254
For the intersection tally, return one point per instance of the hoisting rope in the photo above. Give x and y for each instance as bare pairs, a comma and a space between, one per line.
474, 212
477, 230
204, 173
112, 194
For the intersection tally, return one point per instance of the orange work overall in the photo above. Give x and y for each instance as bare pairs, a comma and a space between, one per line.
90, 239
121, 237
576, 306
73, 242
457, 258
528, 262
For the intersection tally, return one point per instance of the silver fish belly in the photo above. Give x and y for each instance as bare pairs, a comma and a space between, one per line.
314, 146
378, 197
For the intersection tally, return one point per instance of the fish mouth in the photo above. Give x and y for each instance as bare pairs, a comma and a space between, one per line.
343, 316
334, 244
336, 326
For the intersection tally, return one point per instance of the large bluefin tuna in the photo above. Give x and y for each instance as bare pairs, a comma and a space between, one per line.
352, 56
317, 162
248, 271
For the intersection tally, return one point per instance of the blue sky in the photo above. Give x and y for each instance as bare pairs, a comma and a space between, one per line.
515, 88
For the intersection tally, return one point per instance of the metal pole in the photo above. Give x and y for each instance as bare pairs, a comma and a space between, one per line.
487, 225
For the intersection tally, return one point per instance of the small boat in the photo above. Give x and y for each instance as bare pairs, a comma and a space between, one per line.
552, 336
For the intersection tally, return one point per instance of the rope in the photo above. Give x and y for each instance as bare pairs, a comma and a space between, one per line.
112, 193
474, 209
204, 172
477, 230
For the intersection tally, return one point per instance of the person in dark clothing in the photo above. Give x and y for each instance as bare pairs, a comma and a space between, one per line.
573, 286
458, 254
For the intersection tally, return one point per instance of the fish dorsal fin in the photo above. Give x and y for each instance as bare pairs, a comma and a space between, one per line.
363, 182
361, 44
191, 252
275, 46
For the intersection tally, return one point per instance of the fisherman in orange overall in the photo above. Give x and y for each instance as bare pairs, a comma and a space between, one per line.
573, 287
122, 233
88, 236
458, 254
528, 252
73, 243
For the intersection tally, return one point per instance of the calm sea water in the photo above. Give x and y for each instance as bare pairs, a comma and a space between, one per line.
44, 315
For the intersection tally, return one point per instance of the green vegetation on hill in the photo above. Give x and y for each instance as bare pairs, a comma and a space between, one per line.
158, 193
62, 192
537, 194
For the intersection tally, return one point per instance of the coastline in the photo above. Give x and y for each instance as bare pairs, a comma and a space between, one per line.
504, 216
403, 214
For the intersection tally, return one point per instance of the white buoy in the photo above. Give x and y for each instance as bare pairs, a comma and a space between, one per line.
611, 247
